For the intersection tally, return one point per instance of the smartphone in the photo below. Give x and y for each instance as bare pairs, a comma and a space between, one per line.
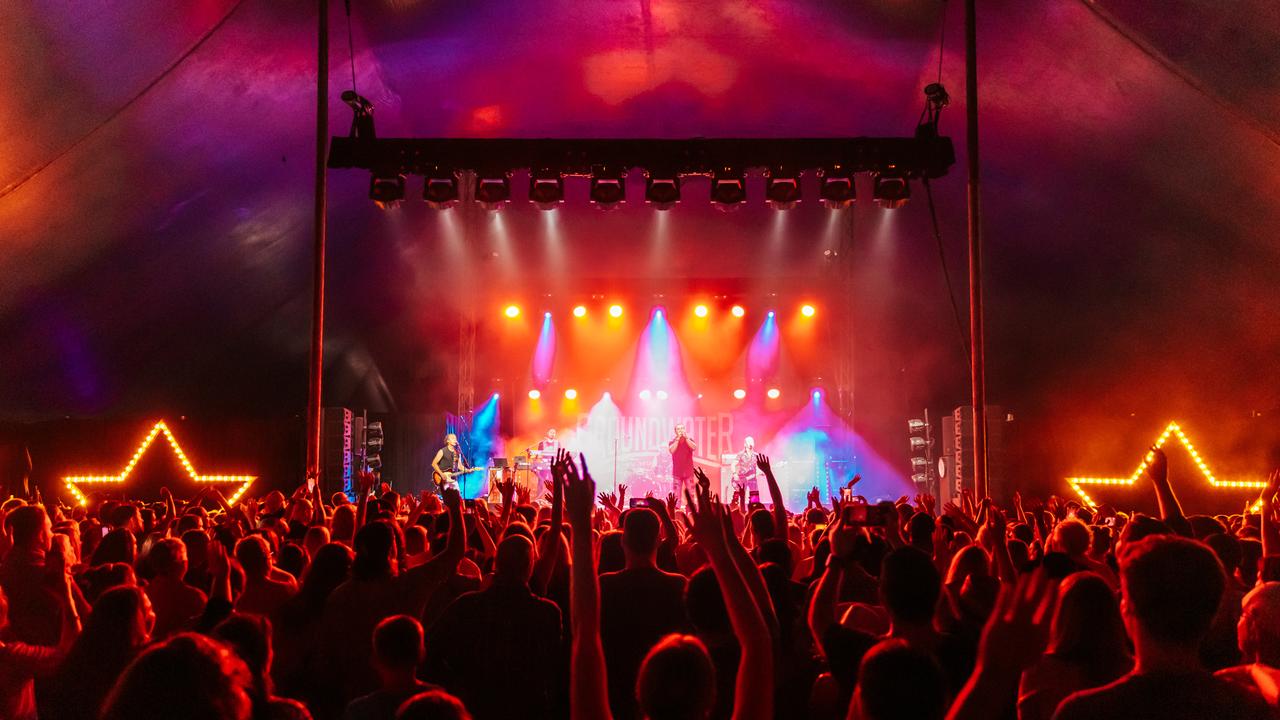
469, 503
754, 497
846, 494
635, 502
870, 515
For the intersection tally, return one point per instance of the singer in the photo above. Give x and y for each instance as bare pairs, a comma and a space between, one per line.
681, 448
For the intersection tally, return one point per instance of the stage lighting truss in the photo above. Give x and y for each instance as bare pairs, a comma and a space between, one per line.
893, 162
546, 188
440, 189
890, 190
373, 444
728, 188
782, 188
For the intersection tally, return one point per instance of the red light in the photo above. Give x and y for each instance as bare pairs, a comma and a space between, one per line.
580, 311
738, 311
701, 311
774, 393
534, 394
615, 311
739, 394
808, 311
512, 311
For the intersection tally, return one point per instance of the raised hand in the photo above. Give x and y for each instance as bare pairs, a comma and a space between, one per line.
622, 493
1018, 629
707, 527
522, 495
853, 481
579, 496
813, 497
1157, 465
843, 539
671, 504
704, 482
452, 499
549, 486
762, 462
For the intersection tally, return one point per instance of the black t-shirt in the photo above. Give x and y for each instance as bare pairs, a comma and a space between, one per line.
1165, 696
638, 607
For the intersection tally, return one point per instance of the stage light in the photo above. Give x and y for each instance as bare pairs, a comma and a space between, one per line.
774, 393
661, 189
645, 394
782, 189
580, 311
739, 394
837, 188
738, 311
534, 394
570, 394
915, 425
546, 188
661, 395
615, 311
608, 187
547, 315
890, 191
493, 190
512, 311
386, 189
440, 189
817, 396
770, 313
728, 188
701, 311
807, 310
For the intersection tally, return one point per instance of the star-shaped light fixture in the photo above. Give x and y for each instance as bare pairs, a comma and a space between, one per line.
73, 482
1172, 430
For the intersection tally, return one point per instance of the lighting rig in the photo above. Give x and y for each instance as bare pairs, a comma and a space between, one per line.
891, 162
923, 468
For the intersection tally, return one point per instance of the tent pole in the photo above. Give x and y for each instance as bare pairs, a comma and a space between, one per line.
317, 301
977, 368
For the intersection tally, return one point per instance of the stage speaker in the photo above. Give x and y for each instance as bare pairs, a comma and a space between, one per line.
955, 466
337, 450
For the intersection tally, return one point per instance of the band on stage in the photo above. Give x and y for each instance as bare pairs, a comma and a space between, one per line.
450, 469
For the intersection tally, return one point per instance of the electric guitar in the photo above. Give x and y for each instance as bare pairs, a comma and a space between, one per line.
444, 478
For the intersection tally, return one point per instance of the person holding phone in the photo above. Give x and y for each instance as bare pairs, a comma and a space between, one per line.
681, 448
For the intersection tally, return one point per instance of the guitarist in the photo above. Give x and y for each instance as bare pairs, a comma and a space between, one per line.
448, 463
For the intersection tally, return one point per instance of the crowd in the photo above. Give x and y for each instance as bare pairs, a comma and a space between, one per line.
593, 606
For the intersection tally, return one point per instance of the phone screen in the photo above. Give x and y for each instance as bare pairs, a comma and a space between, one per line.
754, 496
635, 502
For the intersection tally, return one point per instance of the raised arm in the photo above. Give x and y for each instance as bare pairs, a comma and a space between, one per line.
746, 566
775, 496
1014, 638
822, 607
551, 544
435, 571
588, 686
1170, 508
1270, 532
753, 689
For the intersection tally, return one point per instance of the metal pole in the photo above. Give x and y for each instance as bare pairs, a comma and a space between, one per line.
977, 369
317, 301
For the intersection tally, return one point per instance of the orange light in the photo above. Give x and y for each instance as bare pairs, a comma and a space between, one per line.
700, 311
807, 310
738, 311
774, 393
739, 393
73, 482
570, 394
512, 311
1173, 429
580, 311
615, 311
534, 394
